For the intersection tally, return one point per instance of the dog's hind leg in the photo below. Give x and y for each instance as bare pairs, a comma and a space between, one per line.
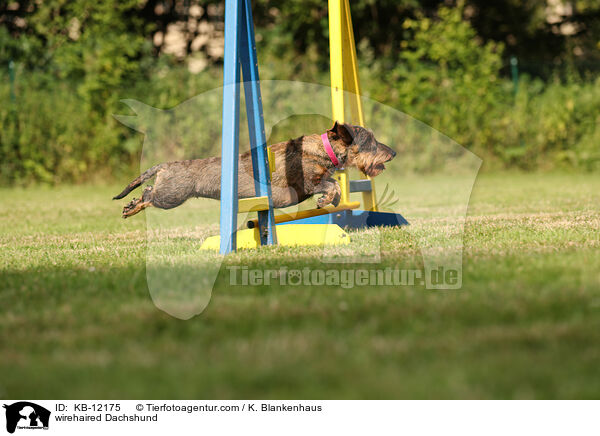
138, 204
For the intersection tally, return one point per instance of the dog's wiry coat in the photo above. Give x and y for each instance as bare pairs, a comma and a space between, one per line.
302, 169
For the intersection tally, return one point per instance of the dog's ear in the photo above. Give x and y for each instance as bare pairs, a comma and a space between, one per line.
344, 131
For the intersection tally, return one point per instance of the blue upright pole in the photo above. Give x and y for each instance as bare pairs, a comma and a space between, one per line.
254, 111
230, 133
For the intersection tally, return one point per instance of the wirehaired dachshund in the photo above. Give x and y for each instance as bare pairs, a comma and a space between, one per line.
303, 168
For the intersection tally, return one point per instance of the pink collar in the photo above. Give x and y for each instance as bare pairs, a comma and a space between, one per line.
329, 150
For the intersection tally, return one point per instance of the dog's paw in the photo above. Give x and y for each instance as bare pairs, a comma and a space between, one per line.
336, 199
129, 207
337, 194
323, 201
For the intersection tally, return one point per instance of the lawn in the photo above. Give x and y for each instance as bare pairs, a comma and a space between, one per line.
78, 321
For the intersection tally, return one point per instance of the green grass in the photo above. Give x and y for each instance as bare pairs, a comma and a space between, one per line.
77, 319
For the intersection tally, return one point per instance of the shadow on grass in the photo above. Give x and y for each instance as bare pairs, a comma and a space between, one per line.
77, 333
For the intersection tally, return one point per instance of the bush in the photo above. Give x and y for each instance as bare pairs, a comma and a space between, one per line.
61, 128
555, 124
449, 79
51, 135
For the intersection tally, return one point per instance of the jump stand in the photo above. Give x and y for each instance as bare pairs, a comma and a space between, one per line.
345, 83
308, 227
240, 52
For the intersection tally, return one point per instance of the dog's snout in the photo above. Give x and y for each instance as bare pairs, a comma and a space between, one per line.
388, 153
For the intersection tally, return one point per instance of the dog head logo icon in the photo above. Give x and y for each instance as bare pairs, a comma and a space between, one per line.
26, 415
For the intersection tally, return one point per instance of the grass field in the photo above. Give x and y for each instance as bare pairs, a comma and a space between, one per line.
77, 320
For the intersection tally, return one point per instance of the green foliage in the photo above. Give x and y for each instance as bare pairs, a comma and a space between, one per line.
556, 124
100, 45
51, 135
79, 58
448, 78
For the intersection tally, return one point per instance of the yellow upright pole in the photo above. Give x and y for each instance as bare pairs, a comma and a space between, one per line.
344, 77
336, 67
350, 67
336, 61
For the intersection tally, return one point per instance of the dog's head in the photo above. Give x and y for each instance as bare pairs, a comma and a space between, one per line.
363, 150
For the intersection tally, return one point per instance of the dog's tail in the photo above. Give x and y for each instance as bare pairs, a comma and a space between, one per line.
148, 174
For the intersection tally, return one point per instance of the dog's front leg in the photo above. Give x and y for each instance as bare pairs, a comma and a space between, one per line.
331, 191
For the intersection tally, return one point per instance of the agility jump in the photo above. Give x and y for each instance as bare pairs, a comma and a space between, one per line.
286, 173
305, 227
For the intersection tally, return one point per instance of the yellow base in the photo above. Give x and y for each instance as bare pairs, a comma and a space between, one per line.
289, 235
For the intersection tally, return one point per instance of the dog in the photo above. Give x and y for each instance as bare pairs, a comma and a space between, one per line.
303, 168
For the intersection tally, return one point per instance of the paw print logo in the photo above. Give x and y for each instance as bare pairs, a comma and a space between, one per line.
294, 277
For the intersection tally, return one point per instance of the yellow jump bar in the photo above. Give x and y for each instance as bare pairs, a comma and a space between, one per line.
284, 217
253, 204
